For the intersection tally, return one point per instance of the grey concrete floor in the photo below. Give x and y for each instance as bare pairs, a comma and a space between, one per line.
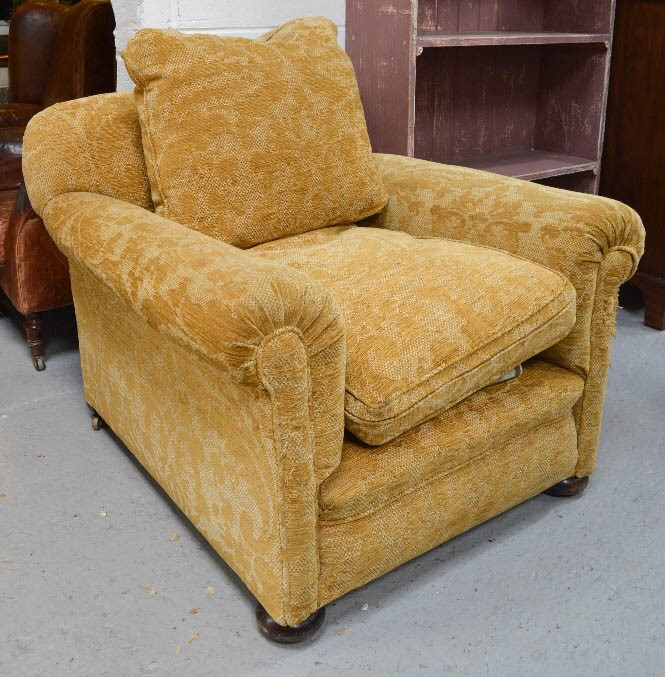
92, 582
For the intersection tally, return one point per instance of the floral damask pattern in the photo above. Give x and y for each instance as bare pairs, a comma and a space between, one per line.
251, 140
593, 241
224, 372
428, 321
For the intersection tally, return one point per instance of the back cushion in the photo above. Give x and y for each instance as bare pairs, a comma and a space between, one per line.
253, 140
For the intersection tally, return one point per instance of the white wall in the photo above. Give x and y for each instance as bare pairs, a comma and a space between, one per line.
244, 18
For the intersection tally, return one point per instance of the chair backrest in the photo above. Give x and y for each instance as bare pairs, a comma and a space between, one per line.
58, 52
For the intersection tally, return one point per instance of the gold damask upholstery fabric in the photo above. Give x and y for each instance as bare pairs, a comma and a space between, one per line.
353, 552
251, 140
368, 478
428, 321
594, 241
222, 303
93, 145
224, 371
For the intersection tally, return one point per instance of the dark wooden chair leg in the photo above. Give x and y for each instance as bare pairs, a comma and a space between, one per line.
654, 309
97, 421
34, 329
284, 634
571, 486
653, 292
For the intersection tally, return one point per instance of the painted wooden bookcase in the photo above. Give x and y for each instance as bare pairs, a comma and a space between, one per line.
516, 87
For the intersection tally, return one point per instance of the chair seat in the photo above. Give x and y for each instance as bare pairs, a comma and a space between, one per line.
11, 175
7, 198
428, 321
367, 479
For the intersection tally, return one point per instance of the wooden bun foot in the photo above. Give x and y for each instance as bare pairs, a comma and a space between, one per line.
571, 486
285, 634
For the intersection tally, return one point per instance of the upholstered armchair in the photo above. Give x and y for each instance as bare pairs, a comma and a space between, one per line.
56, 53
326, 406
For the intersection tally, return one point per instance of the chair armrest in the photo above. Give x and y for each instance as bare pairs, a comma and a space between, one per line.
270, 345
225, 304
220, 301
11, 150
11, 140
557, 228
17, 114
594, 241
575, 234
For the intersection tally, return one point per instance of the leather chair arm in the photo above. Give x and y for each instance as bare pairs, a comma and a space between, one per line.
11, 151
17, 114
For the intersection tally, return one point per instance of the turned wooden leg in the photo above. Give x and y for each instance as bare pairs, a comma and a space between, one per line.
34, 329
97, 421
571, 486
285, 634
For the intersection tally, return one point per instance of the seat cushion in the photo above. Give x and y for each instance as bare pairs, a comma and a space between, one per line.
428, 321
368, 479
252, 140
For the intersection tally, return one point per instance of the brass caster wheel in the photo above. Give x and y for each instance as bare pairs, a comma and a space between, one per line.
571, 486
97, 422
39, 363
284, 634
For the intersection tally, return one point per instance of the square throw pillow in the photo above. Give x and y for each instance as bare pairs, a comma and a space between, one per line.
253, 140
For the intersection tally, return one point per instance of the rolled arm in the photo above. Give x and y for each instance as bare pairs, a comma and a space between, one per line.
594, 241
559, 229
274, 349
219, 301
225, 304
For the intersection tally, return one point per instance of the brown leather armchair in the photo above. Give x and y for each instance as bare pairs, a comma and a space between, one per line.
56, 53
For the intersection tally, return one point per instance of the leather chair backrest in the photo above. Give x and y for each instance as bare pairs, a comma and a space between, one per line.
32, 33
57, 52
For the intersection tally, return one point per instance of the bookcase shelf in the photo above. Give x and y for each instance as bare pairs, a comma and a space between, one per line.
435, 85
533, 164
441, 39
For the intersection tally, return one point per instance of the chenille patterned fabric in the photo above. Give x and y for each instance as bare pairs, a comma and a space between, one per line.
224, 371
594, 241
367, 479
419, 336
252, 140
354, 551
107, 160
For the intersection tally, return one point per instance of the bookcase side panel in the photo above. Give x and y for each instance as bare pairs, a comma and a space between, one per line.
380, 39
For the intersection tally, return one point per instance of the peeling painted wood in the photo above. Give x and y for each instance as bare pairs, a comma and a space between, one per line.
515, 86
